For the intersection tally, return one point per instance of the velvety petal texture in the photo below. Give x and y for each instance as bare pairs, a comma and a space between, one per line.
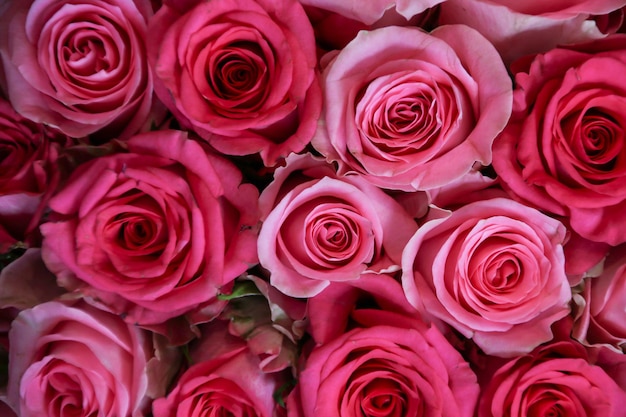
494, 270
155, 232
412, 110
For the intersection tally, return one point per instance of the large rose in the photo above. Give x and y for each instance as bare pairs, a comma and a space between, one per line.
224, 380
600, 305
564, 150
413, 110
155, 232
557, 380
494, 270
77, 360
239, 73
393, 366
323, 228
79, 66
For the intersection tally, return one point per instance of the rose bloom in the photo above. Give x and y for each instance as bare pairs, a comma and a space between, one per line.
79, 66
76, 360
412, 110
600, 305
328, 229
155, 232
564, 150
239, 73
556, 380
224, 380
394, 366
494, 270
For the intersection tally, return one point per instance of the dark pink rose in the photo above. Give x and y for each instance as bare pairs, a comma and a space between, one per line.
224, 380
239, 73
494, 270
28, 174
79, 66
515, 34
412, 110
556, 380
372, 11
600, 305
329, 229
76, 360
564, 150
392, 366
560, 8
155, 232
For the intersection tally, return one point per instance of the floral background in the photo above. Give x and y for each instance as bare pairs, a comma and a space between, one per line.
283, 208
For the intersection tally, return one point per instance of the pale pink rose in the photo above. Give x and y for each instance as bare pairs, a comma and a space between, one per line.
75, 359
79, 66
329, 229
494, 270
411, 110
392, 366
600, 305
372, 11
155, 232
515, 34
560, 8
239, 73
224, 380
564, 150
556, 380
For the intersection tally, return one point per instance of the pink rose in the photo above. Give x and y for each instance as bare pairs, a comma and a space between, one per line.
557, 9
393, 366
77, 360
155, 232
556, 380
494, 270
239, 73
224, 380
327, 229
564, 150
79, 66
600, 305
413, 110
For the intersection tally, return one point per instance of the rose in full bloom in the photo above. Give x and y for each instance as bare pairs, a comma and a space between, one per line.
556, 380
600, 305
413, 110
28, 174
564, 150
494, 270
224, 380
155, 232
79, 66
324, 228
73, 359
392, 366
556, 9
239, 73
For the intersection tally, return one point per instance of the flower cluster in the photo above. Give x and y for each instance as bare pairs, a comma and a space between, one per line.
305, 208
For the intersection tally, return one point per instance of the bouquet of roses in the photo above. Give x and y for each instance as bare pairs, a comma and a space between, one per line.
312, 208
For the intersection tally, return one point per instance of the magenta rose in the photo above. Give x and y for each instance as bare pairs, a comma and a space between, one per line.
325, 228
556, 380
600, 305
153, 233
239, 73
79, 66
412, 110
393, 366
564, 150
559, 9
494, 270
224, 380
72, 359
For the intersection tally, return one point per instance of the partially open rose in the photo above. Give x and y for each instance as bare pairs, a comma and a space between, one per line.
79, 66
